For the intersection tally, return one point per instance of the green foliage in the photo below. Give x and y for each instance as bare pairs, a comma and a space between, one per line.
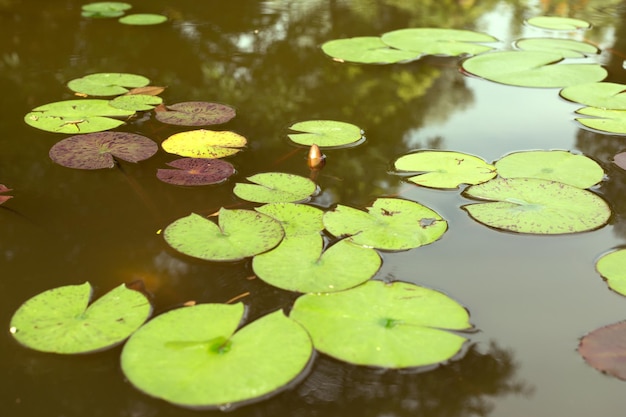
558, 23
196, 171
275, 187
143, 19
196, 113
204, 143
437, 41
612, 267
107, 84
605, 120
604, 95
326, 133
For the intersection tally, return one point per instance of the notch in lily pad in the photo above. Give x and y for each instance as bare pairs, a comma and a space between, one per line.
326, 133
107, 84
444, 169
196, 113
196, 171
61, 320
603, 95
204, 143
387, 325
206, 362
99, 150
275, 187
567, 48
603, 120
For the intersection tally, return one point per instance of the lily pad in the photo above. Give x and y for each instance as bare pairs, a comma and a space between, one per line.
136, 102
604, 95
562, 166
326, 133
437, 41
620, 160
196, 113
107, 83
389, 224
104, 9
605, 349
531, 205
239, 234
143, 19
366, 50
195, 357
444, 169
611, 121
567, 48
99, 150
558, 23
275, 187
532, 69
196, 171
61, 321
204, 143
612, 267
397, 325
296, 219
301, 264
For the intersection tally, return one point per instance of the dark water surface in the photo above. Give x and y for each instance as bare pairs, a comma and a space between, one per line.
531, 298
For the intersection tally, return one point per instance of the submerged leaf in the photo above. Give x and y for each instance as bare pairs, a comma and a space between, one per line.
612, 267
196, 113
567, 48
196, 171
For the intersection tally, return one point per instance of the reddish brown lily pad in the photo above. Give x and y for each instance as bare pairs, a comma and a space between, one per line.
605, 349
4, 189
620, 160
99, 150
196, 171
196, 113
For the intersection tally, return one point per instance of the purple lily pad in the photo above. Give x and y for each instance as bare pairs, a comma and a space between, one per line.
605, 349
196, 171
196, 113
99, 150
4, 189
620, 160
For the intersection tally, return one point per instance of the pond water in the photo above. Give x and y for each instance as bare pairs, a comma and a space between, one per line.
531, 298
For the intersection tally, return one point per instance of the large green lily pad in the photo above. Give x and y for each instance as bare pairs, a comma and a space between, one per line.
532, 69
567, 48
275, 187
558, 23
444, 169
612, 267
296, 219
562, 166
366, 50
195, 356
239, 234
397, 325
605, 120
204, 143
531, 205
136, 102
99, 150
61, 320
302, 264
437, 41
107, 83
604, 95
196, 113
326, 133
389, 224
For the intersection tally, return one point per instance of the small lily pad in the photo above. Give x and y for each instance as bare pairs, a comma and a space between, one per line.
604, 120
531, 205
397, 325
296, 219
620, 160
562, 166
195, 357
196, 113
107, 83
104, 9
61, 321
204, 143
558, 23
366, 50
301, 264
326, 133
196, 171
612, 267
275, 187
136, 102
239, 234
99, 150
438, 41
389, 224
567, 48
532, 69
604, 95
143, 19
605, 349
444, 169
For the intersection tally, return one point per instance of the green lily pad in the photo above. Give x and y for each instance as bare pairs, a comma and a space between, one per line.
99, 150
366, 50
275, 187
397, 325
195, 356
196, 171
204, 143
61, 321
143, 19
301, 264
437, 41
558, 23
136, 102
562, 166
604, 120
389, 224
326, 133
196, 113
531, 205
604, 95
239, 234
612, 267
104, 9
605, 349
296, 219
107, 83
567, 48
444, 169
532, 69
